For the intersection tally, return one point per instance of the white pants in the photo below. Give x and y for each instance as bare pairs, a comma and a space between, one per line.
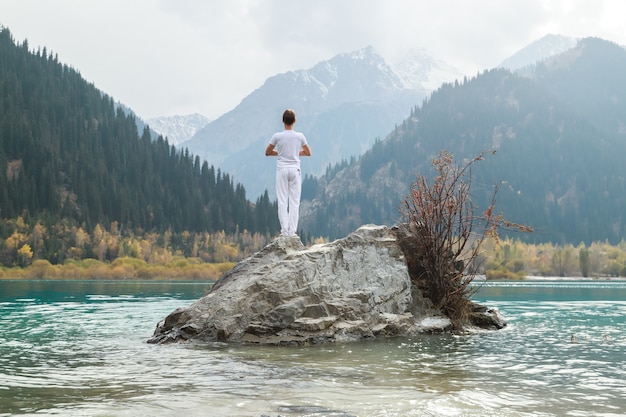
288, 189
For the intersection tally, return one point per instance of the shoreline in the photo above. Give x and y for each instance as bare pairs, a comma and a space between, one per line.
481, 278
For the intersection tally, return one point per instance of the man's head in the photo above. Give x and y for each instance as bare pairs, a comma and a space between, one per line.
289, 117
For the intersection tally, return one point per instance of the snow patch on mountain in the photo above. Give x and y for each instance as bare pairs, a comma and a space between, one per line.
418, 69
178, 129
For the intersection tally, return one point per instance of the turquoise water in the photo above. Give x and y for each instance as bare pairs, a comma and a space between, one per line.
78, 349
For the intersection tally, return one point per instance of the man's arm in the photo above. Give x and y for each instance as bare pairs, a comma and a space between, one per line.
306, 151
270, 151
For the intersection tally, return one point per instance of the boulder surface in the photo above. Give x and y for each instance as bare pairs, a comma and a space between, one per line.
353, 288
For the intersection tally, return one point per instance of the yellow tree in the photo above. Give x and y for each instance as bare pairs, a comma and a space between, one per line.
39, 235
24, 255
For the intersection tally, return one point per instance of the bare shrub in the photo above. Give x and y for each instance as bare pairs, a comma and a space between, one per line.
441, 235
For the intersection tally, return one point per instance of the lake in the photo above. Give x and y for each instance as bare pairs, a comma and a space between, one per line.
78, 348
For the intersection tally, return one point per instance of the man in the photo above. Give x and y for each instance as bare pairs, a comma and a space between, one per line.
289, 146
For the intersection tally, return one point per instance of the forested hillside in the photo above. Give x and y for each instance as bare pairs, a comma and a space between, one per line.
70, 159
560, 141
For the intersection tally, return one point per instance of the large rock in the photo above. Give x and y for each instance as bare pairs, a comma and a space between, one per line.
353, 288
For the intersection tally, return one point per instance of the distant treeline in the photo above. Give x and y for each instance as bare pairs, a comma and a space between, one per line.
514, 259
27, 243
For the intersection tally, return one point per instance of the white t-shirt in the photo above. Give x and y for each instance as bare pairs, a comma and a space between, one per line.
288, 144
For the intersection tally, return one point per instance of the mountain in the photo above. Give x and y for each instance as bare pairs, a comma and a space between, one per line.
71, 158
178, 129
342, 105
560, 137
420, 70
546, 47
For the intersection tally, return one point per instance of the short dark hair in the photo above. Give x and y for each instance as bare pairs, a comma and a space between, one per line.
289, 117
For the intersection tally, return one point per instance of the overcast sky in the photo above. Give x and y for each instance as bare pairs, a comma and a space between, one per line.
175, 57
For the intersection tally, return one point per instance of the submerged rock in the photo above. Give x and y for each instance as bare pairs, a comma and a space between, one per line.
486, 318
353, 288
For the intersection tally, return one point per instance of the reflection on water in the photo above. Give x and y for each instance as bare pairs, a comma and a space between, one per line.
78, 349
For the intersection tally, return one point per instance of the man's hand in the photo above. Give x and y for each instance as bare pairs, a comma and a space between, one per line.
306, 151
270, 151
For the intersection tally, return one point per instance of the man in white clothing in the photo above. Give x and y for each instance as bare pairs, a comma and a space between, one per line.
289, 146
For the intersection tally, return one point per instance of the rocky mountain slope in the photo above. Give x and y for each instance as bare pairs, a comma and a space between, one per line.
342, 106
539, 50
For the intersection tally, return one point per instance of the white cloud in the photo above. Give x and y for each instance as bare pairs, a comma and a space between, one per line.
162, 57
